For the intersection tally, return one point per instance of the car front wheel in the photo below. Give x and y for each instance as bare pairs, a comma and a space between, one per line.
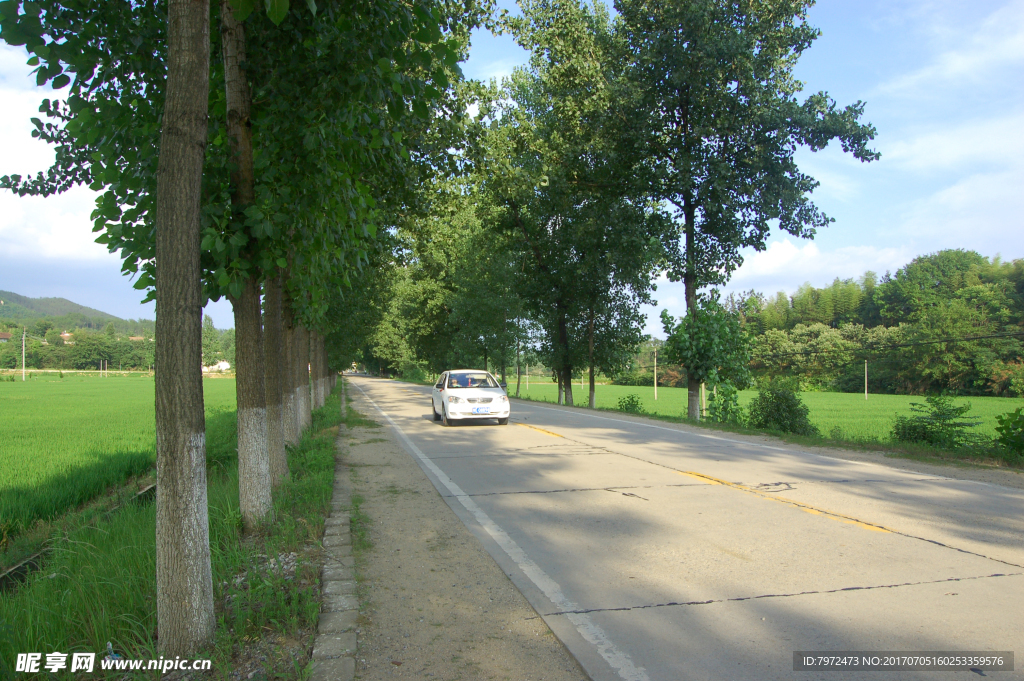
503, 422
445, 421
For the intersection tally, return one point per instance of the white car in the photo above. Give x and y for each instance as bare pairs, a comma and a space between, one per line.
469, 394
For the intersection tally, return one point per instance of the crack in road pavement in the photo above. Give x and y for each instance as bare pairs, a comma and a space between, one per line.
582, 489
786, 595
798, 504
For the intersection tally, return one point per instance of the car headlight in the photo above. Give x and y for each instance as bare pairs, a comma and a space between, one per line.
455, 399
504, 398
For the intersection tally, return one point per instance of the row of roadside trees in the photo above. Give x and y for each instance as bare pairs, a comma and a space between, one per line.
246, 151
658, 141
316, 165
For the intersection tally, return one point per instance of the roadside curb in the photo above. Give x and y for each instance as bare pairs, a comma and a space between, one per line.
334, 647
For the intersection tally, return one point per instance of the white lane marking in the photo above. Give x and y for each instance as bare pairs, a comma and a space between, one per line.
588, 629
754, 444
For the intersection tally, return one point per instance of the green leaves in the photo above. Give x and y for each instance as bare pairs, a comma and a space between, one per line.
243, 8
709, 341
277, 10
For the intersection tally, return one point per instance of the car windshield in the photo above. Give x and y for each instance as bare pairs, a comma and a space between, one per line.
473, 380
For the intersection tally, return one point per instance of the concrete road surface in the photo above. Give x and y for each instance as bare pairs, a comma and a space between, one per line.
656, 552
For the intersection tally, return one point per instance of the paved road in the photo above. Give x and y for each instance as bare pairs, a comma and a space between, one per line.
659, 554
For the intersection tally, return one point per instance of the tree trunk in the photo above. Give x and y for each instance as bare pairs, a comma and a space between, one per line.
254, 483
184, 583
321, 373
289, 413
302, 396
558, 376
566, 368
321, 352
253, 459
690, 293
272, 364
519, 376
692, 398
314, 371
592, 401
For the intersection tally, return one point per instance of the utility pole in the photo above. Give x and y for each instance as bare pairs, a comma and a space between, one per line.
655, 372
865, 380
22, 354
527, 378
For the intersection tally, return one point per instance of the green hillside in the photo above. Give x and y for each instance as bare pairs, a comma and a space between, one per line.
20, 307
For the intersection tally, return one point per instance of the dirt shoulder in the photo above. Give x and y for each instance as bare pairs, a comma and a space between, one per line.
434, 604
959, 470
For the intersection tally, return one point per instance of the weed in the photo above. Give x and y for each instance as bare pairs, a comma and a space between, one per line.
359, 524
353, 419
100, 579
1011, 432
724, 405
938, 422
778, 408
631, 404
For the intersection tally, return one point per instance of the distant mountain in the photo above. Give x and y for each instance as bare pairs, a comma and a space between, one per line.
20, 307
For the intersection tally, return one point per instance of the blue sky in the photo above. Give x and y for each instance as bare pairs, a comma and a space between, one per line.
943, 86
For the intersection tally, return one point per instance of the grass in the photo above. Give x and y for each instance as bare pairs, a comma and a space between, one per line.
97, 585
67, 441
855, 418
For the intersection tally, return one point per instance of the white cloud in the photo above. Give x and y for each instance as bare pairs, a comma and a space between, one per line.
997, 44
15, 74
980, 211
785, 266
53, 227
991, 142
497, 69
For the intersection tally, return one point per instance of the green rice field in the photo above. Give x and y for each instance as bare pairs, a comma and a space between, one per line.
855, 418
64, 441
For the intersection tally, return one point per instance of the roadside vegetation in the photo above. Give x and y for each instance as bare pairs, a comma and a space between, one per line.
120, 345
68, 440
327, 168
96, 582
845, 419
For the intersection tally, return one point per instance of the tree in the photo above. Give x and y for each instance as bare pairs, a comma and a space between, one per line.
185, 616
925, 283
710, 343
715, 124
126, 81
549, 183
211, 342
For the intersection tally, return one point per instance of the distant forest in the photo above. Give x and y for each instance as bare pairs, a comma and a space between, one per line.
952, 322
95, 337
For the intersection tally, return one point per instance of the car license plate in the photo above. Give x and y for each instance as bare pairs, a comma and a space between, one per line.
481, 410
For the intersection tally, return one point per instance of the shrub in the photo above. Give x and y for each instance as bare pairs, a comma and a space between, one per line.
1011, 431
724, 404
631, 404
414, 372
939, 422
777, 407
635, 378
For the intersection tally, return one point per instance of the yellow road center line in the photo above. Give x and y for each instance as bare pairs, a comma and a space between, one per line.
524, 425
789, 502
